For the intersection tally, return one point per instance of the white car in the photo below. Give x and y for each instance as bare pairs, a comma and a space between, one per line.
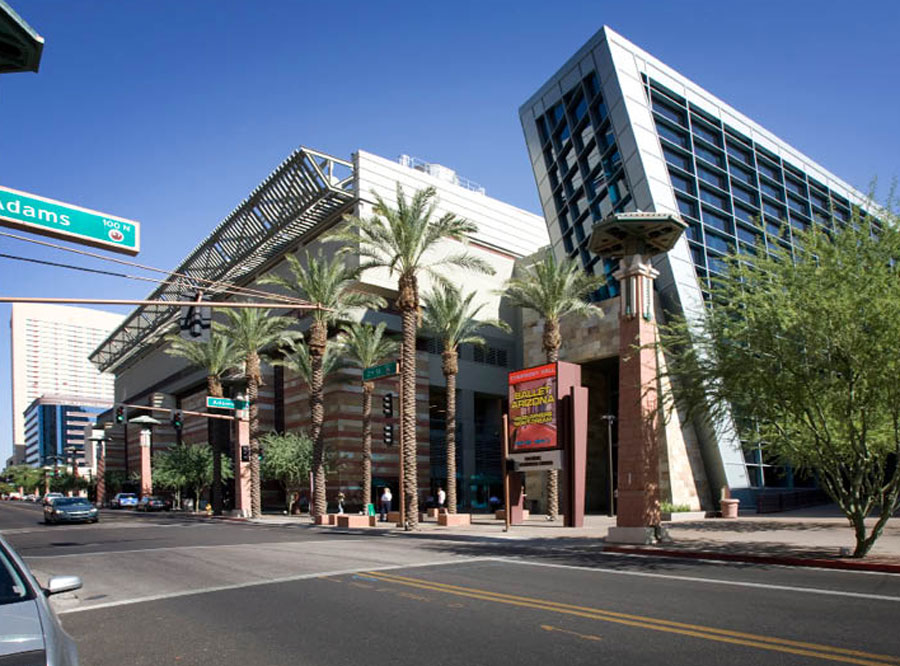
30, 632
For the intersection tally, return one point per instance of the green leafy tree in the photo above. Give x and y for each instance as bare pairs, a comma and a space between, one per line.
332, 284
804, 350
217, 357
114, 480
251, 331
364, 346
553, 289
188, 466
453, 319
26, 477
289, 460
404, 240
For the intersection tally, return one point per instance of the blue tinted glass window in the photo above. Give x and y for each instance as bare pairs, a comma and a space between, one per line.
795, 186
798, 223
678, 159
669, 111
744, 175
716, 265
714, 198
744, 194
769, 170
745, 214
714, 177
542, 129
705, 132
563, 134
556, 113
747, 235
679, 182
820, 200
698, 255
798, 206
716, 242
694, 233
771, 190
592, 84
716, 220
709, 155
580, 108
687, 206
773, 210
739, 152
773, 227
678, 137
599, 112
567, 243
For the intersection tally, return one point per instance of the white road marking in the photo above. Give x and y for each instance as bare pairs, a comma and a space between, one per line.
255, 544
711, 581
272, 581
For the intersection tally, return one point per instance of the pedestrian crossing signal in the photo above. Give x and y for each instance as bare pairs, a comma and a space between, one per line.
388, 434
245, 454
387, 405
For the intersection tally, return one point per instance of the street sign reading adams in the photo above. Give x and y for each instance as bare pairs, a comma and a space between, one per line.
49, 217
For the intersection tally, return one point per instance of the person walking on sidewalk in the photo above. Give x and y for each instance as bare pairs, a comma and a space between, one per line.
441, 499
386, 498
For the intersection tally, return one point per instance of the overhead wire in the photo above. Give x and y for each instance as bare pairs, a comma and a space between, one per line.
225, 287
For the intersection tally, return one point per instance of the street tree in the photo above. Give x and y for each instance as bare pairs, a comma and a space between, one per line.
453, 319
252, 331
405, 240
803, 350
364, 346
26, 477
288, 459
553, 289
189, 466
217, 358
331, 283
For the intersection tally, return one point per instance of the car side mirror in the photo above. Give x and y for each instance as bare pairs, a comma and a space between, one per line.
60, 584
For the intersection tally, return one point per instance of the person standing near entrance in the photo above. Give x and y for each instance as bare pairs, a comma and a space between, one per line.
441, 499
386, 498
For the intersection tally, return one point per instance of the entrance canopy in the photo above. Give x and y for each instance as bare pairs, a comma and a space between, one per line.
20, 45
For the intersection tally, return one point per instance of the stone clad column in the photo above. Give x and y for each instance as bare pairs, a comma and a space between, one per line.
146, 471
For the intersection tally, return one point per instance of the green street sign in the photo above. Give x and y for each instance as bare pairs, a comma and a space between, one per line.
219, 403
381, 371
49, 217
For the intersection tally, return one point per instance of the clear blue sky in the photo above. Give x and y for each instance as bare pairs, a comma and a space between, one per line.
171, 112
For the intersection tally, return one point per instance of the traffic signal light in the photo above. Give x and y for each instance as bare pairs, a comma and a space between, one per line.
260, 453
120, 414
387, 405
177, 421
245, 454
388, 434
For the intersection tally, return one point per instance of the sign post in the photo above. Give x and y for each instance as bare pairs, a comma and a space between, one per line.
49, 217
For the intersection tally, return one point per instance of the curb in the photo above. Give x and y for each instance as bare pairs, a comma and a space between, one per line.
851, 565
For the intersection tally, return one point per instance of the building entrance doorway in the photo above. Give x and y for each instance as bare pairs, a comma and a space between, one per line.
602, 381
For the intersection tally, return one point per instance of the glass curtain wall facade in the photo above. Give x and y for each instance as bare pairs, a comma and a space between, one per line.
617, 130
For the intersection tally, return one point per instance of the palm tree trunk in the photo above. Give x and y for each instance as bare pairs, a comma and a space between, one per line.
408, 304
252, 397
368, 388
317, 342
551, 344
451, 442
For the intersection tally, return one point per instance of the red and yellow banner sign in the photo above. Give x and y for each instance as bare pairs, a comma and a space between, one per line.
532, 409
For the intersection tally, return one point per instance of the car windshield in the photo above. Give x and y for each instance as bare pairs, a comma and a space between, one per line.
126, 495
70, 501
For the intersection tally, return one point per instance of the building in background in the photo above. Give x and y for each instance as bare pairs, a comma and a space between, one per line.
614, 130
308, 194
50, 346
55, 430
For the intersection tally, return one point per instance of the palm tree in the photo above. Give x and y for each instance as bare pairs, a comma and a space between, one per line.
329, 283
365, 345
553, 289
403, 240
452, 318
216, 357
251, 330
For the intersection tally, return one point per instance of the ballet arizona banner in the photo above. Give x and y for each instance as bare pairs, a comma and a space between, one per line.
532, 409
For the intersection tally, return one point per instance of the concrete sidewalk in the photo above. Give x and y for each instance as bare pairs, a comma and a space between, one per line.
818, 536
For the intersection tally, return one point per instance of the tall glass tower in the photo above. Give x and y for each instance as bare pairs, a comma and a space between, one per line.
617, 130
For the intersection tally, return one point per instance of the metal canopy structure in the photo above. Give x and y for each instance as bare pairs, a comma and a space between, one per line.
20, 45
622, 234
307, 192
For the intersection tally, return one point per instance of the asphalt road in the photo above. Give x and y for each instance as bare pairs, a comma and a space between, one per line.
169, 590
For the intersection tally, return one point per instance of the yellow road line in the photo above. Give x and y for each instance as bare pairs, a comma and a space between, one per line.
699, 631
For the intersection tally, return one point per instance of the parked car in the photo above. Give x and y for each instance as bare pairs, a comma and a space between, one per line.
151, 503
30, 632
50, 496
123, 500
70, 510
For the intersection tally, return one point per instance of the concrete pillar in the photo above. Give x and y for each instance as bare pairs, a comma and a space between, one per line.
242, 469
146, 471
638, 516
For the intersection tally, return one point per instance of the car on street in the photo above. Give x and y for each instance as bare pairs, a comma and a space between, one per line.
50, 496
123, 500
70, 510
30, 632
151, 503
